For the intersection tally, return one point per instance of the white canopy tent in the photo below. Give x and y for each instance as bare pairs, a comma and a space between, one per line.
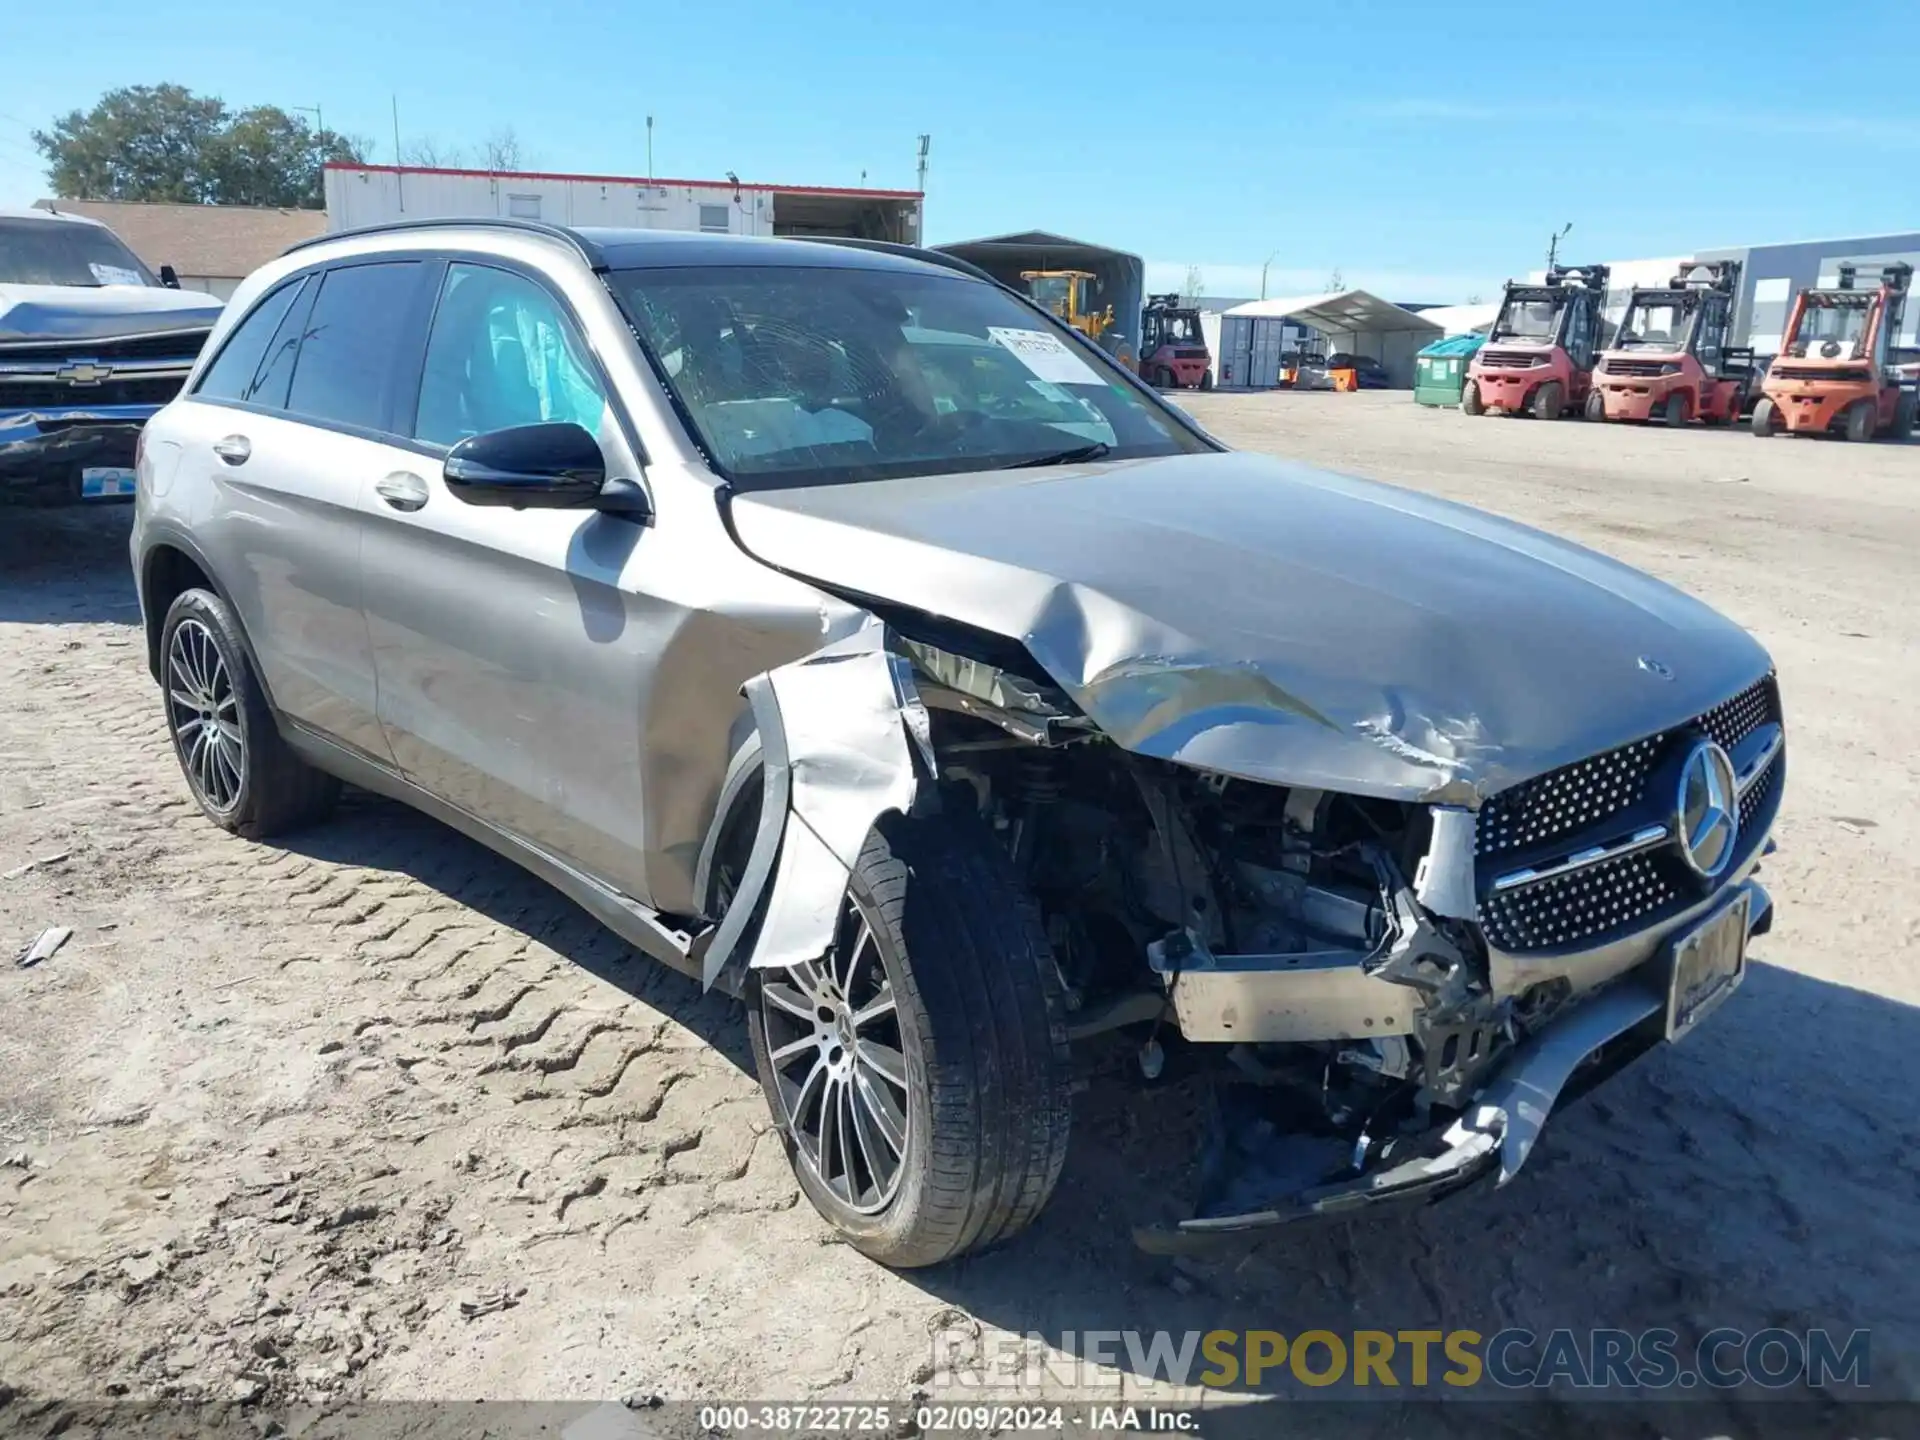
1356, 322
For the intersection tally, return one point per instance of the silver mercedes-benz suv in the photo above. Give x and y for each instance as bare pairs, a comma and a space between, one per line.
841, 629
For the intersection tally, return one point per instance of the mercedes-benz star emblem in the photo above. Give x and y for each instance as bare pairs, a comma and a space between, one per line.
1708, 811
1655, 667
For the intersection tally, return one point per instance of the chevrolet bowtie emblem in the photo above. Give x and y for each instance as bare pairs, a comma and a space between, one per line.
85, 373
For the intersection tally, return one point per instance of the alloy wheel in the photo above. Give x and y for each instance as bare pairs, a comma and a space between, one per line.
204, 713
833, 1037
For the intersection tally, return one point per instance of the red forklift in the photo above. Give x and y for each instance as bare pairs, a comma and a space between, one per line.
1840, 367
1538, 359
1173, 352
1669, 360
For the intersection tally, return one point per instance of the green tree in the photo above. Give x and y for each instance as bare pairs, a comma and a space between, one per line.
163, 142
140, 142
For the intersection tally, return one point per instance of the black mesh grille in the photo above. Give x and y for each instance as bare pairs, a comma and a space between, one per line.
177, 345
1580, 906
58, 394
1569, 807
1572, 799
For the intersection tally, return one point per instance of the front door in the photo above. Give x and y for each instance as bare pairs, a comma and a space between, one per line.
511, 650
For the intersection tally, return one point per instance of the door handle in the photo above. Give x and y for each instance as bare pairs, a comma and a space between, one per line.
403, 490
234, 449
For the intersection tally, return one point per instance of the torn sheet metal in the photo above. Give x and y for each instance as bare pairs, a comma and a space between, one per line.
845, 741
1262, 619
1444, 882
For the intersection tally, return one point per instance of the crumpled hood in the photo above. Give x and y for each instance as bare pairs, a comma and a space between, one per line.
1267, 620
100, 312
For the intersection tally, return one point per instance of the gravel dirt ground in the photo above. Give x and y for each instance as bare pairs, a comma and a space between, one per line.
370, 1114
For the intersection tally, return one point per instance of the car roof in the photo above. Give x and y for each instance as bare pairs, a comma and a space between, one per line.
55, 217
611, 248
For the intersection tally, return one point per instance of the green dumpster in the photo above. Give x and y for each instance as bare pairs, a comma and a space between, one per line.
1440, 370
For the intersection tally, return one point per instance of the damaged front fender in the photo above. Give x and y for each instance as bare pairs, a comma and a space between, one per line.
845, 740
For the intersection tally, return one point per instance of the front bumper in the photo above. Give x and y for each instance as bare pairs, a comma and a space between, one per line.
1492, 1138
43, 450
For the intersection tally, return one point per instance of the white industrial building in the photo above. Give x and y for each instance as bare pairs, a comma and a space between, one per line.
360, 195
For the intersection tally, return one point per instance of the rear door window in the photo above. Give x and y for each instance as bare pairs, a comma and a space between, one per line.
350, 343
236, 371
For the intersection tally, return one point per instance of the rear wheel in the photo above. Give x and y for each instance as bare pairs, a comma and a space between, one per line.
1596, 406
1674, 413
1206, 379
1903, 412
1860, 420
918, 1072
1765, 418
1549, 401
1470, 400
239, 770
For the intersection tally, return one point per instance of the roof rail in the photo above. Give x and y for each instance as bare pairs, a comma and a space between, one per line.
586, 249
908, 252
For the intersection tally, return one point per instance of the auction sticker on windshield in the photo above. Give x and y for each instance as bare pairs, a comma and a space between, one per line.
1045, 355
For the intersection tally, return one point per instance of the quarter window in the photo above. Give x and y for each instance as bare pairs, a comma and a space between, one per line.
502, 353
237, 371
349, 342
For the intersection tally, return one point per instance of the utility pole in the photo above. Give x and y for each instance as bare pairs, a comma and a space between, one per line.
1263, 274
1553, 244
319, 144
399, 164
920, 184
649, 152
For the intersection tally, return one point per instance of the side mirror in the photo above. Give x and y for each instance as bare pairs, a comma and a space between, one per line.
169, 277
552, 466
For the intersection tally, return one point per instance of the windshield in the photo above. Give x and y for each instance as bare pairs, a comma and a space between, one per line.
1825, 322
1656, 323
1178, 327
803, 376
1055, 293
1528, 320
64, 252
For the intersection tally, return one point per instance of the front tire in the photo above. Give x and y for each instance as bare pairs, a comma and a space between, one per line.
1860, 420
918, 1074
241, 773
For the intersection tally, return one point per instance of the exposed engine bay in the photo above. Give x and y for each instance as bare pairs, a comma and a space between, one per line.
1313, 951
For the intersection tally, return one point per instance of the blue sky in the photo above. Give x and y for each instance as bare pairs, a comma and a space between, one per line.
1423, 149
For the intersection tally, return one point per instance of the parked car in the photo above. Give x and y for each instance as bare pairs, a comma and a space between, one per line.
1369, 372
91, 345
843, 630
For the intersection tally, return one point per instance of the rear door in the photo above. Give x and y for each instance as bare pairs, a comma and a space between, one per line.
512, 658
290, 435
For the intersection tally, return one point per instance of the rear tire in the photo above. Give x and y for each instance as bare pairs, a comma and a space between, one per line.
1903, 412
1765, 424
1861, 416
1549, 401
1674, 413
936, 916
241, 773
1596, 406
1470, 400
1206, 379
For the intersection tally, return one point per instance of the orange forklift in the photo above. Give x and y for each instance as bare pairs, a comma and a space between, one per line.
1836, 369
1538, 359
1670, 360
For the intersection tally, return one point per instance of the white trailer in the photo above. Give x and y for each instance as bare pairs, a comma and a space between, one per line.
360, 195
